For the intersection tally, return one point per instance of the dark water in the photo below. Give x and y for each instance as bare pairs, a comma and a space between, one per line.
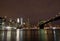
30, 35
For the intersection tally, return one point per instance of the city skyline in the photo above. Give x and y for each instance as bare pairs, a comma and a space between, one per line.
35, 9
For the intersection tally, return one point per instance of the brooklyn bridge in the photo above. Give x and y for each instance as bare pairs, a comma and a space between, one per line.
12, 32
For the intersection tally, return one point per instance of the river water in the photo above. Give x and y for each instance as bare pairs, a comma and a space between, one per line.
30, 35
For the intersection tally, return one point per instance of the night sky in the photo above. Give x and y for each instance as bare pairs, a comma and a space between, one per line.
34, 9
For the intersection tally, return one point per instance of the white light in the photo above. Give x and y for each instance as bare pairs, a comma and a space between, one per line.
17, 36
18, 20
54, 27
8, 27
8, 35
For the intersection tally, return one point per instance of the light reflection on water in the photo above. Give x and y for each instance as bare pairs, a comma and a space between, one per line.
30, 35
17, 35
8, 35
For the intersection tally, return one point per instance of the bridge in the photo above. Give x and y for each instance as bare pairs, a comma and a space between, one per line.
50, 20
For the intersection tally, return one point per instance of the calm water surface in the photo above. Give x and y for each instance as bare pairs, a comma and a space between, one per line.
30, 35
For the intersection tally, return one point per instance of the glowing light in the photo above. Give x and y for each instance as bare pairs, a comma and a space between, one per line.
17, 37
18, 20
8, 28
54, 27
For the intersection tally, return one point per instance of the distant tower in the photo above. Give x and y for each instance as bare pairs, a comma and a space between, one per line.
18, 20
21, 20
28, 23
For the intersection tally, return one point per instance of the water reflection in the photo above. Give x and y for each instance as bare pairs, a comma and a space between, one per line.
8, 35
30, 35
17, 35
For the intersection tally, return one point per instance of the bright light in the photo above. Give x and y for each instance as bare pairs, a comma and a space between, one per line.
18, 20
17, 36
54, 27
8, 27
